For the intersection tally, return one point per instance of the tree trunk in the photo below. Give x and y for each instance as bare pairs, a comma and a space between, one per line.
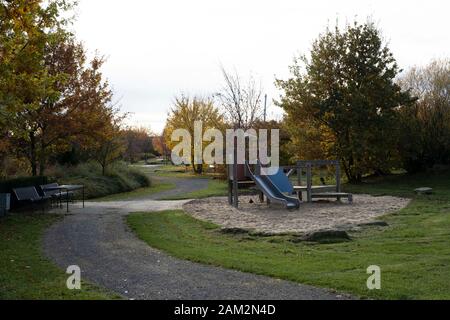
41, 168
33, 158
42, 161
352, 176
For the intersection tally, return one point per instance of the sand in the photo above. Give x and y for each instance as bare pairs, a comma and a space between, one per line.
311, 217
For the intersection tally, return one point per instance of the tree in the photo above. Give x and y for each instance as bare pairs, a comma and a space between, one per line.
344, 95
4, 147
425, 134
51, 97
26, 28
73, 107
110, 149
48, 95
285, 140
110, 144
184, 115
139, 144
160, 146
242, 103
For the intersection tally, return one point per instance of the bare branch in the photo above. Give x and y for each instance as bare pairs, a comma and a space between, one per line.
242, 104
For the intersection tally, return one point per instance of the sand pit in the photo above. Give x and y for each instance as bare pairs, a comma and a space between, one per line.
275, 219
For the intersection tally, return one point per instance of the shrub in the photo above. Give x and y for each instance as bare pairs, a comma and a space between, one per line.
7, 186
120, 178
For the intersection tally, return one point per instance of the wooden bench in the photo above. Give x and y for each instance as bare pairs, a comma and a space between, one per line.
30, 194
337, 195
322, 193
315, 188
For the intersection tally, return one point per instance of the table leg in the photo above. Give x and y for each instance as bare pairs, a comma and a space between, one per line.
67, 200
83, 197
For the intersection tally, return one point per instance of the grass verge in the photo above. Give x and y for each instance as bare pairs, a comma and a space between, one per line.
216, 188
172, 171
24, 273
120, 178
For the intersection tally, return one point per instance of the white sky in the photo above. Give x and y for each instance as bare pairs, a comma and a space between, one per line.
159, 49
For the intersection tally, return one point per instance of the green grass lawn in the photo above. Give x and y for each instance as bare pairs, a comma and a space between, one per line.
215, 188
413, 252
403, 185
175, 171
157, 186
180, 172
24, 273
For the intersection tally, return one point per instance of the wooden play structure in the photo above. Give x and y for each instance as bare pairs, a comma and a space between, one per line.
322, 191
236, 176
278, 187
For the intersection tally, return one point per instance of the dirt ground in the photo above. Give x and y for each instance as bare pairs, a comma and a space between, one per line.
275, 219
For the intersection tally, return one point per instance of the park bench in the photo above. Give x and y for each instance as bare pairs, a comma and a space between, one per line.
338, 195
320, 191
51, 191
323, 192
30, 194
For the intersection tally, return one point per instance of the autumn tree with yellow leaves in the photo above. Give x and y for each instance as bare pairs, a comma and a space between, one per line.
183, 115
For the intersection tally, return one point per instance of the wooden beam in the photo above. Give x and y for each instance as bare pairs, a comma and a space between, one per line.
309, 181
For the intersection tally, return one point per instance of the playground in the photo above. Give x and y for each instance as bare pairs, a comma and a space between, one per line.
287, 201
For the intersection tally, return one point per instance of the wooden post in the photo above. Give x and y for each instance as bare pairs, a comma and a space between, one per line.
230, 184
299, 180
299, 174
235, 176
338, 179
309, 181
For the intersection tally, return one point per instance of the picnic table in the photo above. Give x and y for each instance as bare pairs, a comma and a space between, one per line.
67, 189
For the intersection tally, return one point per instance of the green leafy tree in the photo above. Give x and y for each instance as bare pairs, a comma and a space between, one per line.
26, 29
345, 97
109, 144
71, 111
51, 97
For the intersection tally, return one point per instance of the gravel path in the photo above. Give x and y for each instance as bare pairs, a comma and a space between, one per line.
98, 240
182, 186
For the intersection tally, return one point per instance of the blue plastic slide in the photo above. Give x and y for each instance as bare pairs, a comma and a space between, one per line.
274, 187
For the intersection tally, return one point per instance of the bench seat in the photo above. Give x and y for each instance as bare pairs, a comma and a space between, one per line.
30, 194
337, 195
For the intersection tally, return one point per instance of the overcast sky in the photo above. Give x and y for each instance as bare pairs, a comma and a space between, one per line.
158, 49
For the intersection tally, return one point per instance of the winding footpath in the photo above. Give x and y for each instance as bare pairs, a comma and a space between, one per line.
98, 240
